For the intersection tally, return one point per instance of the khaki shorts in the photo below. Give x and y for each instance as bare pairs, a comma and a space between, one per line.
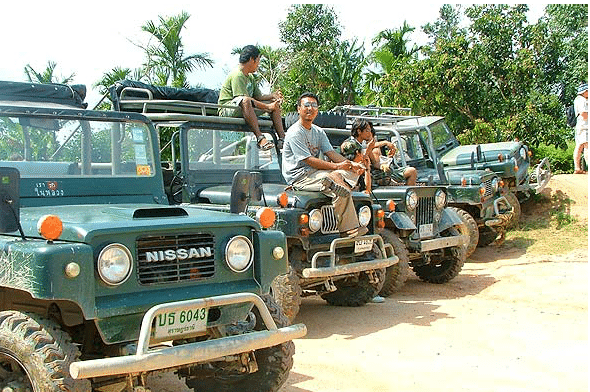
237, 111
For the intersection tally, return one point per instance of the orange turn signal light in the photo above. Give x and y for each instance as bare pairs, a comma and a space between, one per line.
530, 153
380, 213
500, 157
463, 181
283, 199
266, 217
390, 205
303, 219
50, 227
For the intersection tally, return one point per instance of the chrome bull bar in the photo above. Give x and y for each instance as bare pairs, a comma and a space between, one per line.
145, 360
334, 270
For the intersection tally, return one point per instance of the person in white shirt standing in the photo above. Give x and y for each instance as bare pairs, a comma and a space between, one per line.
581, 136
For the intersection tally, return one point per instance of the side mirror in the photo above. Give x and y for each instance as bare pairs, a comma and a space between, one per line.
9, 199
246, 186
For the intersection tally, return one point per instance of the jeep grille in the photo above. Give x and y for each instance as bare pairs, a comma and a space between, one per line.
168, 271
329, 223
425, 211
489, 190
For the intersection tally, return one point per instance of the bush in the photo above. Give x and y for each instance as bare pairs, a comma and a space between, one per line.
561, 160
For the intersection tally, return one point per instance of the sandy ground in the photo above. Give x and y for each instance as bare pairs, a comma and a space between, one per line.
509, 322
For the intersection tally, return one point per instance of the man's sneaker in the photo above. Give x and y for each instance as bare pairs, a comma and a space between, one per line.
337, 189
378, 299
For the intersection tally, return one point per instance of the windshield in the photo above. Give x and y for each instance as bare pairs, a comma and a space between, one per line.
44, 147
209, 149
442, 136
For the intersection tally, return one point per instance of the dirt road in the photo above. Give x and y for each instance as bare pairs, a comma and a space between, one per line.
509, 322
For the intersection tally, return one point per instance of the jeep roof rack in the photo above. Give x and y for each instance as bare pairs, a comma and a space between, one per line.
169, 105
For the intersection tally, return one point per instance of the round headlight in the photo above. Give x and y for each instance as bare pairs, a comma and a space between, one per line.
440, 198
365, 214
495, 184
523, 153
411, 200
238, 253
315, 220
114, 264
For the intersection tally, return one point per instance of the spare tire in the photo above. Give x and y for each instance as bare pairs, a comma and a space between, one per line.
323, 120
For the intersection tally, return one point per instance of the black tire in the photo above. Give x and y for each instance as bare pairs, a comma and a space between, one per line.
355, 292
323, 120
397, 274
470, 229
487, 235
35, 354
274, 363
513, 200
443, 268
286, 291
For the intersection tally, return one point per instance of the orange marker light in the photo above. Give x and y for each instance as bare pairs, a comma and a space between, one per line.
50, 227
283, 199
303, 219
266, 217
390, 205
380, 213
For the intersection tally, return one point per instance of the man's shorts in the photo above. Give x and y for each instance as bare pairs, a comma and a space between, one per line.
236, 111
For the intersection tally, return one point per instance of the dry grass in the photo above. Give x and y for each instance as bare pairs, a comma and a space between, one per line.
547, 226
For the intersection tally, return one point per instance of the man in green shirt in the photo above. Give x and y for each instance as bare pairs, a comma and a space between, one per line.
241, 89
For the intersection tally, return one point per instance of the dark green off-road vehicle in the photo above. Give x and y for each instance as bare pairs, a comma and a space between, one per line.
510, 160
102, 282
475, 195
208, 151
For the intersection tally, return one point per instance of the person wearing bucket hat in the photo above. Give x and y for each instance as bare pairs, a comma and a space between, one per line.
581, 129
352, 150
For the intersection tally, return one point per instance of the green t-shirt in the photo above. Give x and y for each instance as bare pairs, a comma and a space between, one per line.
236, 85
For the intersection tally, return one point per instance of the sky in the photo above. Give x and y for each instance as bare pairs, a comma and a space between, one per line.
89, 38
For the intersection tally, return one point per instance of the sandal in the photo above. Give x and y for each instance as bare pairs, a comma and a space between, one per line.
263, 143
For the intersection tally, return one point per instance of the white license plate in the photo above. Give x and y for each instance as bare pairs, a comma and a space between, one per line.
361, 246
426, 230
183, 322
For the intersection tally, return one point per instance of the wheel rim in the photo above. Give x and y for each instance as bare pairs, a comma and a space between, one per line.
13, 373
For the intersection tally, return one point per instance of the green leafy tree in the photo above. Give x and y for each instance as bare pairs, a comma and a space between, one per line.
311, 33
109, 78
489, 73
166, 62
47, 75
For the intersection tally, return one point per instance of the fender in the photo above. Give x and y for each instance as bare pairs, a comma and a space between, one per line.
400, 220
449, 218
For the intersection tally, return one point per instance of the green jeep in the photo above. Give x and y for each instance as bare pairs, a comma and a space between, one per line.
209, 150
102, 282
475, 195
509, 160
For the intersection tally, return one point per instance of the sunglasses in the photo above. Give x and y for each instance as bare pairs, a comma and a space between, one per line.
309, 104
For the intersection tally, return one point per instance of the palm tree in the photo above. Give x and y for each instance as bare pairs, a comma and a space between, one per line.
47, 76
166, 61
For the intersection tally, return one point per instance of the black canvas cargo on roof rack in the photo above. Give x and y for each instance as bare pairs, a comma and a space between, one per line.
159, 92
73, 95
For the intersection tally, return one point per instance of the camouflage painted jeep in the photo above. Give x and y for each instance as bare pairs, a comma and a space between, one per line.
212, 149
102, 282
475, 195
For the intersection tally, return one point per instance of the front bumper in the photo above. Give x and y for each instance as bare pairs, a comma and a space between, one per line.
145, 360
444, 242
335, 270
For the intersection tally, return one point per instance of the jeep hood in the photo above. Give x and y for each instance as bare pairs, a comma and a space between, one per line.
83, 222
299, 199
461, 155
